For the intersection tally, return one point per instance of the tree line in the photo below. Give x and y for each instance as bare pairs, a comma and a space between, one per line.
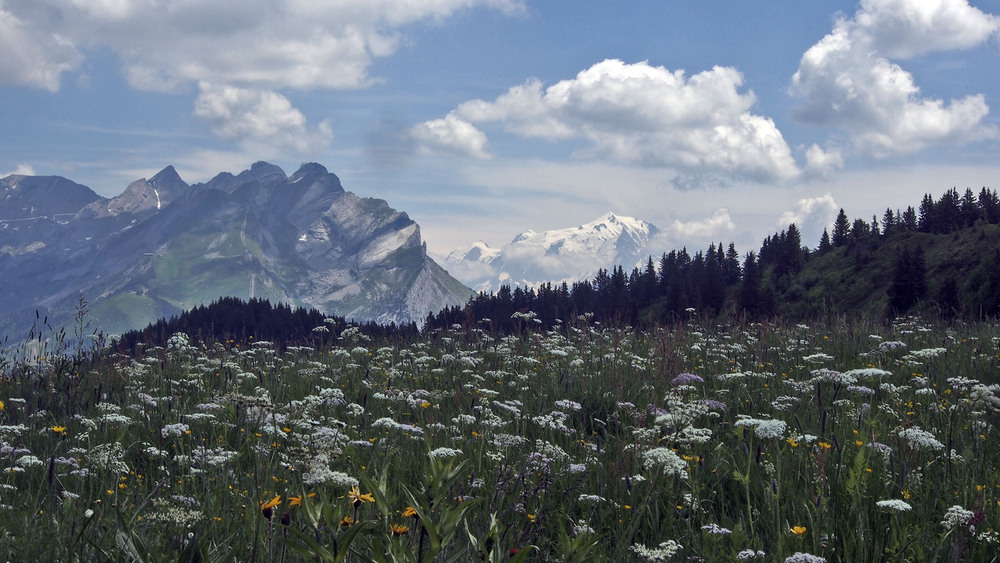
768, 282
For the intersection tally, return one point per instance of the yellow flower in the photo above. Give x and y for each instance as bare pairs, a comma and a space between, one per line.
61, 430
792, 442
347, 522
267, 508
531, 518
1, 405
798, 530
398, 530
294, 501
357, 498
825, 445
410, 511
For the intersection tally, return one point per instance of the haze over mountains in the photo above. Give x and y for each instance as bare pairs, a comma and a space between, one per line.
162, 246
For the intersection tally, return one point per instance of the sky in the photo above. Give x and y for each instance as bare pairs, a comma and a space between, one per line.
714, 120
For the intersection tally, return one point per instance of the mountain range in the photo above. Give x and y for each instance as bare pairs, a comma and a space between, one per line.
559, 255
163, 246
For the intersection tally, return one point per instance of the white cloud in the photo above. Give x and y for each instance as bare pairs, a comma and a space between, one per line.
821, 162
249, 43
811, 215
249, 47
719, 225
23, 169
32, 56
451, 135
847, 82
902, 29
700, 126
258, 118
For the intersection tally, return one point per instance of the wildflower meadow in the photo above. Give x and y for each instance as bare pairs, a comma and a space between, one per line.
857, 441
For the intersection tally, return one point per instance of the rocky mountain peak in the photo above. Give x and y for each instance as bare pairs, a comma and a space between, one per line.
168, 183
263, 172
301, 240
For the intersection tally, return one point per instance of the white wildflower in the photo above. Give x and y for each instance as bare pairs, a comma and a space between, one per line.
443, 452
920, 439
666, 458
178, 429
663, 552
894, 505
764, 428
957, 516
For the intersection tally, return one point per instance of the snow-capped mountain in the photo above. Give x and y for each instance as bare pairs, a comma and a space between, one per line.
559, 255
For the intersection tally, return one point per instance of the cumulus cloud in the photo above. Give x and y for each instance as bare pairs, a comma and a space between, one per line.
256, 47
719, 225
811, 216
902, 29
450, 135
248, 43
819, 162
258, 117
701, 126
32, 55
848, 82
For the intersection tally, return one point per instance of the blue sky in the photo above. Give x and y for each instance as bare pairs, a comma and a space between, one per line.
716, 121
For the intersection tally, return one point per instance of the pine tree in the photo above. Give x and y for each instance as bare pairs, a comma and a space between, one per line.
888, 222
841, 229
824, 242
909, 222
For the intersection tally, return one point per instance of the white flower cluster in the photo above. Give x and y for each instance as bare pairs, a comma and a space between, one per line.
818, 358
764, 428
920, 439
178, 429
893, 505
799, 557
832, 376
666, 458
567, 405
926, 353
958, 516
443, 452
663, 552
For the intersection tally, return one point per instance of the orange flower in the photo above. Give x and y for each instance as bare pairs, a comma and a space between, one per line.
357, 498
294, 501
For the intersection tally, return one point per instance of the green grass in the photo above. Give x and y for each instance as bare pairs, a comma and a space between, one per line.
580, 444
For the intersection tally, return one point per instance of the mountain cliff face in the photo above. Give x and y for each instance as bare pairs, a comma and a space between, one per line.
162, 246
559, 255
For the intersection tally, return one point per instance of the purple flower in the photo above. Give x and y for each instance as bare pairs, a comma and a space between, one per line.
714, 405
686, 379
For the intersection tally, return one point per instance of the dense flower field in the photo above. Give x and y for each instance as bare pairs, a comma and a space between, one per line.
697, 442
